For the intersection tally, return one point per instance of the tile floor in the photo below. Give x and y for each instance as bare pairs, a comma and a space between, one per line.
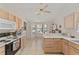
33, 47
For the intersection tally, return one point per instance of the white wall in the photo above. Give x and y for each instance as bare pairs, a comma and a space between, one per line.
28, 30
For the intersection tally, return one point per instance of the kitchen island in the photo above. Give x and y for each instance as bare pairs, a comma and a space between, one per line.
58, 43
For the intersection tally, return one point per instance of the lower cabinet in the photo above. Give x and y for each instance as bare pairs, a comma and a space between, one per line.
56, 45
73, 51
65, 49
2, 50
73, 48
52, 45
70, 48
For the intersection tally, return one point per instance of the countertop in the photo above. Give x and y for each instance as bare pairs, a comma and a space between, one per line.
11, 39
57, 35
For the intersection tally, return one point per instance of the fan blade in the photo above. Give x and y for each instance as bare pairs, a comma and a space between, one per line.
38, 13
45, 6
47, 11
42, 6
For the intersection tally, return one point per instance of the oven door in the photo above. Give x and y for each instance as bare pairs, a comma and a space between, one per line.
9, 49
16, 45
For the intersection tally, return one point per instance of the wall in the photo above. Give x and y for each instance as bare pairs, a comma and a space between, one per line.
28, 30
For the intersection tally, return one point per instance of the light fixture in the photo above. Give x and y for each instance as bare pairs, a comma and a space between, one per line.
42, 9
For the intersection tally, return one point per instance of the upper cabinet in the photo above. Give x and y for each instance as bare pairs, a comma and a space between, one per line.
12, 17
18, 23
4, 14
9, 16
71, 21
76, 20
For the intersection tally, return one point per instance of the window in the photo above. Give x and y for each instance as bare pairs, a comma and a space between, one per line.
41, 28
33, 28
45, 28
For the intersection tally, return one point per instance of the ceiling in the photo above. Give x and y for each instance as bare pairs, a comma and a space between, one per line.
27, 10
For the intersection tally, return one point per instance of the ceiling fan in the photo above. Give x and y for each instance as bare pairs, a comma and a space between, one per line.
42, 9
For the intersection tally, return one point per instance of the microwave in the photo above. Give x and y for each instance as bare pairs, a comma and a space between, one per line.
7, 25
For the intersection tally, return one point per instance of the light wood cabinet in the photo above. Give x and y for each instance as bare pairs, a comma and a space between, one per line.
9, 16
52, 45
4, 14
12, 17
76, 19
2, 50
73, 51
69, 21
18, 23
70, 48
65, 48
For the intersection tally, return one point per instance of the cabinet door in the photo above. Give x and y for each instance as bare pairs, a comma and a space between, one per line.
52, 45
65, 49
73, 51
76, 17
69, 21
2, 50
12, 17
18, 23
4, 14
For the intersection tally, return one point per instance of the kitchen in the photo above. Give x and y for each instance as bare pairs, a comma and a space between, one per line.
39, 29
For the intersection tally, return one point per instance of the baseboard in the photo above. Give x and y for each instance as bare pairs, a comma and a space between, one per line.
54, 53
